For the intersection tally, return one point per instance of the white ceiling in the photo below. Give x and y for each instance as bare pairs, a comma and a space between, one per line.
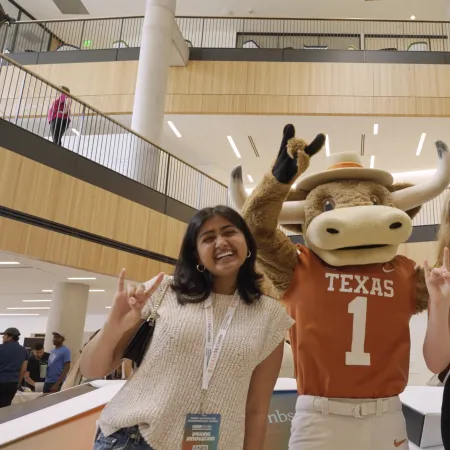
27, 280
204, 141
377, 9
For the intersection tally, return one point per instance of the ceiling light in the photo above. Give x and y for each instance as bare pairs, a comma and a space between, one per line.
249, 190
108, 307
47, 290
233, 146
74, 131
19, 314
32, 307
327, 146
250, 178
413, 17
174, 129
96, 290
81, 278
422, 140
6, 263
35, 301
372, 161
375, 128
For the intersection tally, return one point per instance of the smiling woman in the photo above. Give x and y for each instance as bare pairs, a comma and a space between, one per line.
215, 354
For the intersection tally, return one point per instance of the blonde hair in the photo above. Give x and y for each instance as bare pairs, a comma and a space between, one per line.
443, 236
65, 88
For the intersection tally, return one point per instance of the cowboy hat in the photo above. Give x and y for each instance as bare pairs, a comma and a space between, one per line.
344, 166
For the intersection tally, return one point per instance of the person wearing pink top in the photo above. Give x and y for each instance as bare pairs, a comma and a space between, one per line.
59, 116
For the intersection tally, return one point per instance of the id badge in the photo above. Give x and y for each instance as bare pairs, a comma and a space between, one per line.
201, 432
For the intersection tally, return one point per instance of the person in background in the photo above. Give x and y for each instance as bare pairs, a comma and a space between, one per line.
217, 346
436, 347
59, 115
58, 365
37, 366
13, 365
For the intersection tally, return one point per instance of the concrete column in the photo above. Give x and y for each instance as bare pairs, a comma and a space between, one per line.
151, 87
67, 315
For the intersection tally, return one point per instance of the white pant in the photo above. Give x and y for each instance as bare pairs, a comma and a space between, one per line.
348, 424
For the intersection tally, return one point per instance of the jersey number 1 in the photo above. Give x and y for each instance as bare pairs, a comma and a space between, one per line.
357, 357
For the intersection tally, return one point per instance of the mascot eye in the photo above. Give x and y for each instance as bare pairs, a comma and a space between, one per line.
328, 205
374, 200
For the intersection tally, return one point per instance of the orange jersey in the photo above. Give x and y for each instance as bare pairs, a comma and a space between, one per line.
351, 337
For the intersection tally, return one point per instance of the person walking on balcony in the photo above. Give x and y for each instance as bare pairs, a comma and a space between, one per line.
215, 354
59, 115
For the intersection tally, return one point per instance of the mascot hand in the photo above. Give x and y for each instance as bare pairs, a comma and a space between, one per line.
293, 157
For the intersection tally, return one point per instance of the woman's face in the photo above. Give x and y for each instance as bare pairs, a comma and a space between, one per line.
221, 247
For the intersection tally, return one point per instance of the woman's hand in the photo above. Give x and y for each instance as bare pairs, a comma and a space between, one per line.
128, 303
438, 280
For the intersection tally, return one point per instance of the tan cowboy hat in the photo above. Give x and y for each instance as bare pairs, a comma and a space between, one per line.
344, 166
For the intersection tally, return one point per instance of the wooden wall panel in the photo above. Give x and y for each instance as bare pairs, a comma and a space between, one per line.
419, 251
36, 189
240, 87
44, 245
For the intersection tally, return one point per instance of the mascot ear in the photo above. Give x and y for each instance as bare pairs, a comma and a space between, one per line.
316, 145
398, 187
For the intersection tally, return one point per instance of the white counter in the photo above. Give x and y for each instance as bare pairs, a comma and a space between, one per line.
36, 421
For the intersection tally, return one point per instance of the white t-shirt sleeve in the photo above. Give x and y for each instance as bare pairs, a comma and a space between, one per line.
280, 323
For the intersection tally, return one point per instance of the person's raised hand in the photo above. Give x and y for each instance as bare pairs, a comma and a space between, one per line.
438, 279
129, 301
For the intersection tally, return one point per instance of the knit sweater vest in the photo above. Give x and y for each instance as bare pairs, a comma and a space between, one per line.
167, 385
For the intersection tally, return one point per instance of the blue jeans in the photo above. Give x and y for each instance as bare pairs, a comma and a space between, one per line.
125, 439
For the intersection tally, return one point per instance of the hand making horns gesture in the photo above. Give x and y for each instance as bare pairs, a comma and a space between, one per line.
438, 280
128, 303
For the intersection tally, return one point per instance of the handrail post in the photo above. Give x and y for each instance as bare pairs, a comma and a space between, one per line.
82, 33
83, 116
21, 96
166, 187
121, 31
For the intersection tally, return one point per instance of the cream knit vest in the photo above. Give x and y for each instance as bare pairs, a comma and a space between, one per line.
167, 386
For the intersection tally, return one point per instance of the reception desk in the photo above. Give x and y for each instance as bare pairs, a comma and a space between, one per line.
70, 417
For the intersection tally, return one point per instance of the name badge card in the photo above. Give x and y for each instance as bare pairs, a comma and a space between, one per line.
201, 432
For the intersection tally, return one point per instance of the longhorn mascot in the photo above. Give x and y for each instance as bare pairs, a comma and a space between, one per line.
351, 296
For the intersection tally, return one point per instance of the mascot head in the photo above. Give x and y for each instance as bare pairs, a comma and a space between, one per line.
350, 214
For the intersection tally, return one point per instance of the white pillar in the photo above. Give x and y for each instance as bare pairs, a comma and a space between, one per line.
67, 315
151, 88
153, 69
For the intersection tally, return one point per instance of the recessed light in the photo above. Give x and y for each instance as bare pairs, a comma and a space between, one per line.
250, 178
47, 290
422, 140
327, 146
35, 301
81, 278
233, 146
108, 307
74, 131
413, 17
31, 307
249, 190
7, 263
96, 290
375, 128
174, 128
372, 161
19, 314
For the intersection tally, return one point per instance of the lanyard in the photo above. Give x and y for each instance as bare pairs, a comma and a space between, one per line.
214, 349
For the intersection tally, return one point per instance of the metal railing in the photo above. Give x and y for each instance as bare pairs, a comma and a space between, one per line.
42, 108
225, 32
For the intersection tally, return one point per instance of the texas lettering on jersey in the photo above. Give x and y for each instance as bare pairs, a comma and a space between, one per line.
360, 284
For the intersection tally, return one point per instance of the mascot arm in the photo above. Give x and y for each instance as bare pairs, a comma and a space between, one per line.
277, 255
421, 291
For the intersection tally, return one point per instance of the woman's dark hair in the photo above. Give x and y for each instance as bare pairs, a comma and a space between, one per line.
192, 286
